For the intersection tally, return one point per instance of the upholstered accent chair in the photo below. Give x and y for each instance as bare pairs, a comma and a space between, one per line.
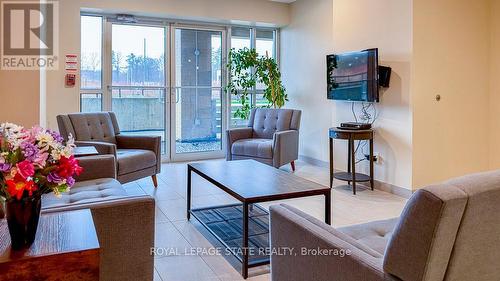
137, 156
271, 137
448, 231
125, 224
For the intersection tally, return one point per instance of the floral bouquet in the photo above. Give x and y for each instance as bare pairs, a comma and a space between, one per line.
32, 162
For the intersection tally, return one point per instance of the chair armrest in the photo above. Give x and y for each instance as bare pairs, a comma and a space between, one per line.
234, 135
100, 146
125, 228
97, 167
301, 234
139, 142
285, 147
152, 143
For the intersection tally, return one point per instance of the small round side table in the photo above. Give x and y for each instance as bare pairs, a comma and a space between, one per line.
351, 175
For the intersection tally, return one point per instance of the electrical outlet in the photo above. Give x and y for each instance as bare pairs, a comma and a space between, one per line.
376, 157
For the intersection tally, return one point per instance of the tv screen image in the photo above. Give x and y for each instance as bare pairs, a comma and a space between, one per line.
353, 76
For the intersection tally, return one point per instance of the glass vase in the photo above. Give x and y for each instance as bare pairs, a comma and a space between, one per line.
22, 219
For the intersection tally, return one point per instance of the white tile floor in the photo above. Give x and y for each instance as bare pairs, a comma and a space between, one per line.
175, 233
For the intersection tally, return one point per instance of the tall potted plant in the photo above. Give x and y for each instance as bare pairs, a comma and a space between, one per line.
32, 162
246, 69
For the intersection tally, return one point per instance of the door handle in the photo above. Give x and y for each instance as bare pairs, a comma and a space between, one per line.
175, 95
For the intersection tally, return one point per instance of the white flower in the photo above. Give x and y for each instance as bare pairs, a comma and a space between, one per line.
11, 128
71, 142
45, 139
67, 151
56, 154
14, 134
57, 193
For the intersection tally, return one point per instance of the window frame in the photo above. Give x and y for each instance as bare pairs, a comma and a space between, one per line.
96, 91
253, 44
106, 86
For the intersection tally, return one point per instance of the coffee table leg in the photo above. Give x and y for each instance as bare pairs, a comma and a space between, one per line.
328, 203
189, 192
244, 266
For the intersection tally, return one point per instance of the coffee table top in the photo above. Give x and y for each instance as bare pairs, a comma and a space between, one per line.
251, 181
58, 233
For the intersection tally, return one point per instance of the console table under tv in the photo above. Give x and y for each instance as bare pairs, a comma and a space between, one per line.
351, 176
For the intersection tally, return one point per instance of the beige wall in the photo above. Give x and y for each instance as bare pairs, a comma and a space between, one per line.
64, 100
322, 27
304, 45
494, 116
451, 58
19, 97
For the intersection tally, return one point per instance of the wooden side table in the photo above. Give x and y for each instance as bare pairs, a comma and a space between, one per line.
351, 175
65, 248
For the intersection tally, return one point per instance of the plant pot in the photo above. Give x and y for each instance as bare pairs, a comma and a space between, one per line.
22, 219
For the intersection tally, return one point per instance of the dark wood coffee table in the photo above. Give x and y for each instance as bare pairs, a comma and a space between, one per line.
250, 182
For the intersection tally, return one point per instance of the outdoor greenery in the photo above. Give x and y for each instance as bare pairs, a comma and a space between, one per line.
137, 68
247, 69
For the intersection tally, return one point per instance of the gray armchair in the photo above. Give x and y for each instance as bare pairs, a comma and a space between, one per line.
271, 137
137, 156
125, 224
448, 231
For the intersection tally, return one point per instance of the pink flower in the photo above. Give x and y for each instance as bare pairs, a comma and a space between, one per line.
41, 159
25, 169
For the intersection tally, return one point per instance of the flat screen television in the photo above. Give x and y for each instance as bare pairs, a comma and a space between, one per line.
353, 76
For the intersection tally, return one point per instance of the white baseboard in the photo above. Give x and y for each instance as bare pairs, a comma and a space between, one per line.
313, 161
383, 186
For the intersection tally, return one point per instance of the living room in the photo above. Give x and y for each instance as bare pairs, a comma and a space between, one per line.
169, 103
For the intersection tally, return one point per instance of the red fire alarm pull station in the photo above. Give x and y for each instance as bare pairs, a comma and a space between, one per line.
70, 80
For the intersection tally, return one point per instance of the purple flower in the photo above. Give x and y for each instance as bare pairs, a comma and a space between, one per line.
29, 150
54, 178
57, 137
4, 167
70, 181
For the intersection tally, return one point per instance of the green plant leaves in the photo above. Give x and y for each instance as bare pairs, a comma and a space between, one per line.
247, 69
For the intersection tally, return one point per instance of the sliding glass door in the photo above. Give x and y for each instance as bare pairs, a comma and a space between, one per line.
197, 79
170, 90
138, 86
166, 79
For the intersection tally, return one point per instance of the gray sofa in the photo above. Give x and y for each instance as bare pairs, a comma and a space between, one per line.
449, 231
124, 224
271, 137
137, 156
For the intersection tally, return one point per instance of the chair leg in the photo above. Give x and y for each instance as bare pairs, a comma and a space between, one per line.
293, 165
155, 180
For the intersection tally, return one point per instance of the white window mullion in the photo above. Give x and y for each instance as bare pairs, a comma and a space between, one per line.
253, 45
107, 66
167, 65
